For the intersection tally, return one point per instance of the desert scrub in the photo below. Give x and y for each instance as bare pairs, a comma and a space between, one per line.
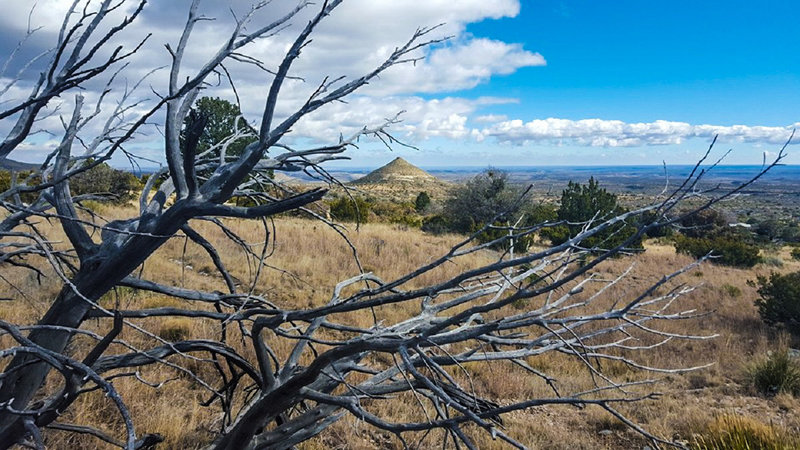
735, 432
175, 329
779, 301
731, 290
796, 253
772, 261
775, 374
727, 250
355, 209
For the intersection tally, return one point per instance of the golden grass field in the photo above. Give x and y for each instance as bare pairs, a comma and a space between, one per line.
317, 258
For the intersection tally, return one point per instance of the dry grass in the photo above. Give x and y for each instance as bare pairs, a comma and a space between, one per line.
312, 258
732, 432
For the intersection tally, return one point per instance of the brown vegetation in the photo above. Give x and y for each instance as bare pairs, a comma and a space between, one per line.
691, 403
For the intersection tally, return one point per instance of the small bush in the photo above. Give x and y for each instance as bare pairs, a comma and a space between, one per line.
582, 203
422, 202
160, 301
102, 179
394, 212
174, 330
521, 243
780, 300
5, 184
437, 224
773, 261
734, 432
352, 210
769, 230
480, 201
657, 232
796, 253
776, 374
703, 223
730, 250
791, 233
731, 290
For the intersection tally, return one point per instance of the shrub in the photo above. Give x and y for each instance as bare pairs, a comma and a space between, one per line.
773, 261
731, 290
521, 243
796, 253
100, 179
657, 232
776, 374
408, 220
480, 201
347, 209
94, 206
176, 329
5, 184
581, 203
735, 432
435, 224
778, 230
422, 202
394, 212
780, 300
486, 198
769, 229
539, 213
160, 301
729, 250
791, 233
703, 223
104, 179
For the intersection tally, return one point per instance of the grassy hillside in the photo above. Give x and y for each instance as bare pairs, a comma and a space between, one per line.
307, 259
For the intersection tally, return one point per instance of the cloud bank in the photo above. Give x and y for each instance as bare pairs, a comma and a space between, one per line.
616, 133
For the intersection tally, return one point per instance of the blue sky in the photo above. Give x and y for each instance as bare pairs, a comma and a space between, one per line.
712, 62
537, 82
726, 63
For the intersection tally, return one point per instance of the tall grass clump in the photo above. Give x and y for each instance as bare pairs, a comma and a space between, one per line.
775, 374
734, 432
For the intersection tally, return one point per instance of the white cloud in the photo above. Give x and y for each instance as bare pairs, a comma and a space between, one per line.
616, 133
459, 66
490, 118
421, 119
350, 42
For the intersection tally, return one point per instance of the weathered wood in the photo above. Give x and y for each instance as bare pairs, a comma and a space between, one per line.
462, 319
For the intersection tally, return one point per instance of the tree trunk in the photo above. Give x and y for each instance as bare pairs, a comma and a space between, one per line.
24, 375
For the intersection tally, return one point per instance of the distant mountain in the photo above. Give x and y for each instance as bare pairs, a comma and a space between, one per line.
397, 171
280, 177
401, 181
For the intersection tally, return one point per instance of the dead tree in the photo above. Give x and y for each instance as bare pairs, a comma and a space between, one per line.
334, 368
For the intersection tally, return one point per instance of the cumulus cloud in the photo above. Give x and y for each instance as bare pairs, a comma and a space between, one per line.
460, 66
616, 133
490, 118
420, 119
352, 41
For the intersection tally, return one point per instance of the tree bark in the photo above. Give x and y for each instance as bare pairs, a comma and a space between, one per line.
96, 276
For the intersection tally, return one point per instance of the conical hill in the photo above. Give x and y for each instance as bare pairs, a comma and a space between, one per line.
399, 170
